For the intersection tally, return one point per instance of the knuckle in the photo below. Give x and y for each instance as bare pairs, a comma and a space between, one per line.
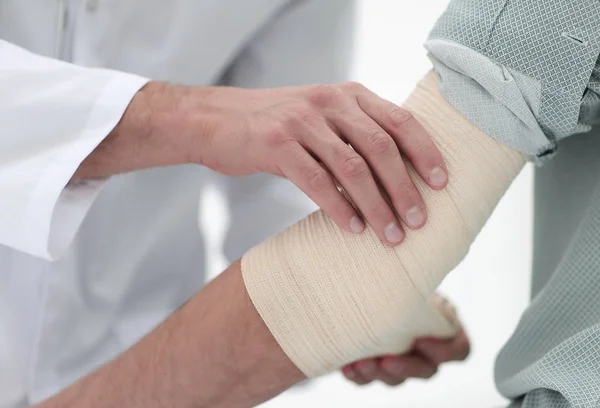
277, 136
380, 143
291, 123
400, 117
318, 180
341, 153
324, 96
354, 86
354, 167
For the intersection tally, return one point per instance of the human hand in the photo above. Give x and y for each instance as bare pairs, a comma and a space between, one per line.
422, 361
304, 133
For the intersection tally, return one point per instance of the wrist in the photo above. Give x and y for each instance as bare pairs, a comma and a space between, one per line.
135, 143
182, 117
156, 120
195, 118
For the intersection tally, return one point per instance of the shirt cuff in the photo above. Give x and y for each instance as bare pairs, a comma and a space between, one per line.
500, 101
57, 209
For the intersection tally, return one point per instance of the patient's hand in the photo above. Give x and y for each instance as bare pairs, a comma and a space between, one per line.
421, 362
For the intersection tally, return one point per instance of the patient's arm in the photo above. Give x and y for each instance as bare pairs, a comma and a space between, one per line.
331, 298
327, 297
213, 352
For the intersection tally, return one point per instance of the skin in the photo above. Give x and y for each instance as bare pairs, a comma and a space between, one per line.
422, 362
209, 353
301, 133
217, 354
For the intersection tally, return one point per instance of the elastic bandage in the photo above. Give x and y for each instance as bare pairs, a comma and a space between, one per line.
330, 297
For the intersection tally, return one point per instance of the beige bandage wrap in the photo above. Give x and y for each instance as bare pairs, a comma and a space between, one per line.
330, 297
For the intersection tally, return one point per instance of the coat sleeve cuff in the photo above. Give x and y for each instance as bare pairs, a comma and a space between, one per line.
57, 208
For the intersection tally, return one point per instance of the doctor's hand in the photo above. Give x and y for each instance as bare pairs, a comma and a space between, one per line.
421, 362
305, 133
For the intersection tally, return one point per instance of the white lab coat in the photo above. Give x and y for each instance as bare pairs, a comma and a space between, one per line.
129, 248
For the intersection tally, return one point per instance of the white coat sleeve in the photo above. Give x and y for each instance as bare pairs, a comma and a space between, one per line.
308, 42
52, 116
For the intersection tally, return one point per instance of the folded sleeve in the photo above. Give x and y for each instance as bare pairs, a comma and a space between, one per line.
522, 71
52, 116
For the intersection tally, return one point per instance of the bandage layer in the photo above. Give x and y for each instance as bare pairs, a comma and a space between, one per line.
330, 297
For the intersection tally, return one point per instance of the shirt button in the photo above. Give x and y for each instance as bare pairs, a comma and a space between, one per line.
91, 5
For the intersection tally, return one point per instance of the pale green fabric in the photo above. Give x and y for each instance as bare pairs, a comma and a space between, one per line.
527, 73
525, 54
553, 357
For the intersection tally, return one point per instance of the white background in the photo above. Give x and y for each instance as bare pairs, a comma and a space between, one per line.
490, 288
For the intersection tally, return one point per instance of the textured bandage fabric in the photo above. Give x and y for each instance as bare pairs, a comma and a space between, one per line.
330, 297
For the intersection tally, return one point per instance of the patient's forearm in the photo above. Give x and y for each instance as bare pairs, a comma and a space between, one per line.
213, 352
331, 298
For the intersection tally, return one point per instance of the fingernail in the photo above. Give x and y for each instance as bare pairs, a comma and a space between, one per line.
415, 217
368, 368
438, 177
357, 225
393, 233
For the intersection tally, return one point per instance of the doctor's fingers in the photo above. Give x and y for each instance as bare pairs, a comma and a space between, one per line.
381, 153
412, 139
353, 173
301, 168
381, 133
